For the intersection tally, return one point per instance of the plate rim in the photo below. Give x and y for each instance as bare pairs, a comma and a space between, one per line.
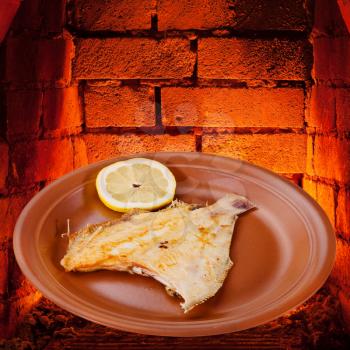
170, 328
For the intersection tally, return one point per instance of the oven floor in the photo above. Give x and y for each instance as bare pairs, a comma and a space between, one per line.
315, 325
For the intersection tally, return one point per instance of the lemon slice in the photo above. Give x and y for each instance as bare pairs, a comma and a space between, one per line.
135, 183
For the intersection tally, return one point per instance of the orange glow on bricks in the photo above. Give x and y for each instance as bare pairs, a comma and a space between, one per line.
85, 81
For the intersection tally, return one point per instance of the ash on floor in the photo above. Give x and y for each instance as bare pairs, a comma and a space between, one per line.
317, 324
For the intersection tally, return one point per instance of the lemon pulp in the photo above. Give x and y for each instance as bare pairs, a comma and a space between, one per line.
135, 183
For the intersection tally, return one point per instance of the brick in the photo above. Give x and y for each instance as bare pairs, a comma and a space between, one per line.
230, 107
322, 113
10, 208
195, 14
40, 16
310, 187
22, 53
4, 263
270, 15
325, 196
61, 109
42, 160
18, 286
328, 20
344, 299
17, 309
225, 58
282, 153
113, 106
39, 60
24, 110
104, 146
342, 102
329, 158
80, 154
336, 65
343, 212
133, 58
341, 270
4, 161
309, 155
27, 18
4, 311
114, 15
54, 15
344, 7
243, 14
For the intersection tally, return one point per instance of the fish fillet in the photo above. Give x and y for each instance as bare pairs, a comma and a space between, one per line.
185, 249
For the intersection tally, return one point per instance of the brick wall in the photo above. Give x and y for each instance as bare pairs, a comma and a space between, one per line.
40, 115
328, 172
85, 80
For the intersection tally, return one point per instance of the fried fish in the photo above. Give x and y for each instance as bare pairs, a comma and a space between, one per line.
183, 247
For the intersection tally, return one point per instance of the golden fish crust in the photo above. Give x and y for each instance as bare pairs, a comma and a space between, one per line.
185, 249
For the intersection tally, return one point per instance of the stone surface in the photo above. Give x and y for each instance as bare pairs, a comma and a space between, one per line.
10, 208
344, 7
322, 111
133, 58
343, 212
40, 17
4, 260
324, 194
343, 109
227, 107
41, 160
79, 149
41, 60
241, 15
111, 15
344, 299
334, 66
329, 158
119, 106
24, 109
224, 58
283, 153
328, 20
104, 146
61, 109
4, 161
341, 271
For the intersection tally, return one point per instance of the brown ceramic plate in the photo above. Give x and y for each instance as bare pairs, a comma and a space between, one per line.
283, 250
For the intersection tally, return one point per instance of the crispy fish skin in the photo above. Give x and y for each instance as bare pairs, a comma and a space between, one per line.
186, 250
